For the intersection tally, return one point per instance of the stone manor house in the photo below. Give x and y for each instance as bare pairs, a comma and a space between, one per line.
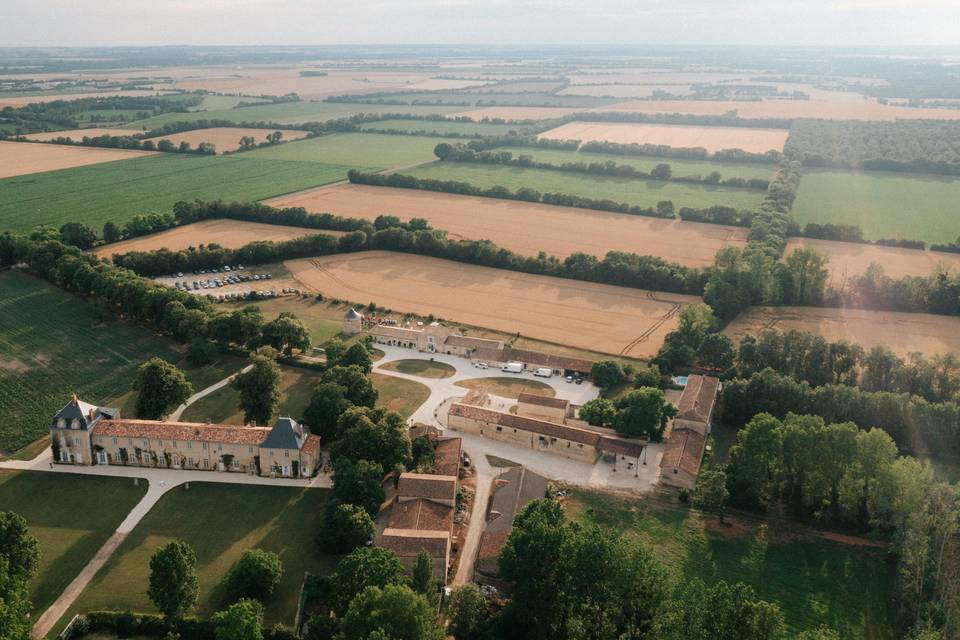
84, 434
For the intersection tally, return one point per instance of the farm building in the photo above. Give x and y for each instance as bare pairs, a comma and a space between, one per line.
531, 405
419, 513
512, 491
680, 464
695, 409
83, 434
433, 338
562, 365
352, 322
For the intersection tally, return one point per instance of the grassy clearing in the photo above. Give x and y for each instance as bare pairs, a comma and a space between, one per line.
53, 344
397, 394
220, 522
368, 150
71, 516
508, 387
440, 127
288, 112
635, 192
883, 204
223, 405
323, 319
422, 368
680, 166
116, 191
814, 581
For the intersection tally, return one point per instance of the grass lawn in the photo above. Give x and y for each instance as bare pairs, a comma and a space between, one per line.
71, 516
288, 112
368, 150
680, 166
53, 344
508, 387
440, 127
814, 581
223, 405
397, 394
116, 191
323, 319
220, 522
644, 193
883, 204
422, 368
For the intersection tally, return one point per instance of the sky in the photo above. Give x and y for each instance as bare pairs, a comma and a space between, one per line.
320, 22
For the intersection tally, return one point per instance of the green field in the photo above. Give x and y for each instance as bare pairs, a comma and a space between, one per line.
218, 103
71, 516
53, 344
421, 367
814, 581
116, 191
508, 387
369, 150
323, 319
288, 112
883, 204
220, 522
644, 193
441, 127
397, 394
680, 166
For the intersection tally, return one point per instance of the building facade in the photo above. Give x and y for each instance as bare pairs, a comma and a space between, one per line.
352, 322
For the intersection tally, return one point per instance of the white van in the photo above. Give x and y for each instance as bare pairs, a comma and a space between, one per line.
513, 367
544, 372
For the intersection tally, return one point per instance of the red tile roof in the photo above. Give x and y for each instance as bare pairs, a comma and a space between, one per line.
447, 457
472, 343
543, 401
389, 331
684, 451
425, 485
409, 542
698, 398
192, 431
312, 445
542, 427
533, 358
622, 446
421, 514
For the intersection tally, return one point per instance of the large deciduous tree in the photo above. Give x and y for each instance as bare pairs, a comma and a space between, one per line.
255, 575
259, 390
643, 413
173, 579
243, 620
394, 611
161, 387
362, 568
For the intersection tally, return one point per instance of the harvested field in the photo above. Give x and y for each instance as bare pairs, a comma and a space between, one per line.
22, 158
852, 258
901, 332
592, 316
625, 90
227, 138
20, 101
710, 138
865, 109
526, 227
78, 134
516, 113
231, 234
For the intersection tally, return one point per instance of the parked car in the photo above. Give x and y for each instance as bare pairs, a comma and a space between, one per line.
569, 378
482, 365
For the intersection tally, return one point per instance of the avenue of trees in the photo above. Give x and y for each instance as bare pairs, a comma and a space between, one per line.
19, 560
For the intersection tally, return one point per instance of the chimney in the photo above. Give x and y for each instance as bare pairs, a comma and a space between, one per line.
74, 399
90, 414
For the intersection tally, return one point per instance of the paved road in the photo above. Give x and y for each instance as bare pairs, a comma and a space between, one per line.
478, 515
205, 392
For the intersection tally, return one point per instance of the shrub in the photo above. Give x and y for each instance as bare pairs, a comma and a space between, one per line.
255, 575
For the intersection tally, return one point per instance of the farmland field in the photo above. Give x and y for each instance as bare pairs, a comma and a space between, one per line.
220, 522
368, 150
71, 516
440, 127
882, 204
814, 580
53, 344
78, 134
516, 113
465, 100
633, 191
675, 135
853, 258
591, 316
680, 166
901, 332
225, 232
226, 138
117, 191
526, 227
25, 158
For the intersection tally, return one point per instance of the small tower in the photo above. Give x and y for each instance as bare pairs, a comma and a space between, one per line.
352, 322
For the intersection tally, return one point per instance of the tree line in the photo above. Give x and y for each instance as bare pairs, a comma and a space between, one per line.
690, 153
662, 171
726, 120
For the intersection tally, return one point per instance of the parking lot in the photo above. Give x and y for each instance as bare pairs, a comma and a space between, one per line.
230, 282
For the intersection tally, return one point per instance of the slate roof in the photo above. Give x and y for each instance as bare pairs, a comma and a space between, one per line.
407, 543
684, 451
285, 434
698, 398
77, 409
543, 401
425, 485
192, 431
352, 314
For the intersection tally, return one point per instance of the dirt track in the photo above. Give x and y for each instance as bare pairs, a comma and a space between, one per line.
524, 227
22, 158
590, 316
675, 135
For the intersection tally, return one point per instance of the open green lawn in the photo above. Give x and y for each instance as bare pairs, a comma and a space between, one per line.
883, 204
368, 150
53, 344
508, 387
71, 516
289, 112
644, 193
397, 394
223, 405
441, 127
680, 166
422, 368
323, 319
814, 581
220, 522
116, 191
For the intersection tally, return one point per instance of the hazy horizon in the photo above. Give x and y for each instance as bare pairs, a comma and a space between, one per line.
52, 23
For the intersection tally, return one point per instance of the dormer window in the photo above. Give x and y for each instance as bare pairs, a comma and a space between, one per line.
75, 423
62, 423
